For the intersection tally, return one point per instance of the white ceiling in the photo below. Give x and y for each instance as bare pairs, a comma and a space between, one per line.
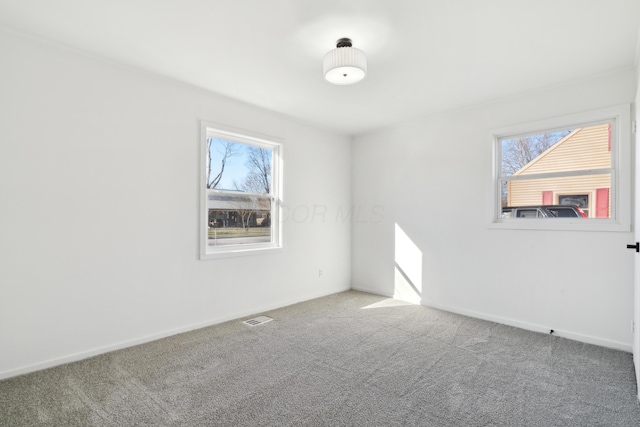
425, 56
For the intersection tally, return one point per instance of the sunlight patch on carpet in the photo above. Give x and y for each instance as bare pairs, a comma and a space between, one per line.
389, 302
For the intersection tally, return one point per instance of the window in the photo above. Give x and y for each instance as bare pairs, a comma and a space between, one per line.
581, 201
569, 173
529, 213
241, 193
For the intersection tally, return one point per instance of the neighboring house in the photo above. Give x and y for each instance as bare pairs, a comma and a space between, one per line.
584, 148
231, 211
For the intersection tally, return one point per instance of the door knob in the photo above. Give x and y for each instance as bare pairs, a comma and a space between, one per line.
636, 246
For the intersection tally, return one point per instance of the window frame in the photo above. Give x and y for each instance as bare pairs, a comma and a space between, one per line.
620, 118
210, 129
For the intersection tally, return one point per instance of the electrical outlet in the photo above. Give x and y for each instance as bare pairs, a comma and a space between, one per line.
320, 273
633, 326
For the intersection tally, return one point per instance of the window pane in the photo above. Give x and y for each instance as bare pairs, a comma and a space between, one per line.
581, 200
238, 219
568, 150
591, 193
528, 213
238, 167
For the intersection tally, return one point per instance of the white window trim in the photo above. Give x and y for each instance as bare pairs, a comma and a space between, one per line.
210, 129
620, 174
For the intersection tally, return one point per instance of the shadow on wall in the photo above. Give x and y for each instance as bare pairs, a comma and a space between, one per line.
408, 268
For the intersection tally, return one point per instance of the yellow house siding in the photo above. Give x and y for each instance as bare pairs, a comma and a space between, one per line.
586, 148
527, 193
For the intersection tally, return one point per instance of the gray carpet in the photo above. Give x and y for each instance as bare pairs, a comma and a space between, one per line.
331, 362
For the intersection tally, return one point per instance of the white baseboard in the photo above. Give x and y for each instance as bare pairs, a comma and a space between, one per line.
153, 337
518, 324
537, 328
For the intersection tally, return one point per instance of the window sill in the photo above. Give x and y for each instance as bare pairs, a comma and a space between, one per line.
240, 251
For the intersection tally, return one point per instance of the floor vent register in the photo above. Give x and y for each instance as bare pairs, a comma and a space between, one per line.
260, 320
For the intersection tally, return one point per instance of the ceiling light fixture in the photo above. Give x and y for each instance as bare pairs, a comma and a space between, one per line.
345, 65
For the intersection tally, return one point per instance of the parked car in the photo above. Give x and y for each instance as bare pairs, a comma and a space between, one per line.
566, 211
543, 211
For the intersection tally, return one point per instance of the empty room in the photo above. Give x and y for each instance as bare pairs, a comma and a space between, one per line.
319, 213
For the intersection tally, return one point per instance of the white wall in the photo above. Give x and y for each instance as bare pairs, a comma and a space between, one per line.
430, 178
99, 209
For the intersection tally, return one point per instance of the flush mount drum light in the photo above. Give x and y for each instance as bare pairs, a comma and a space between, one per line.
345, 65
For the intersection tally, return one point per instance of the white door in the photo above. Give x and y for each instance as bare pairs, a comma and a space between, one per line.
636, 296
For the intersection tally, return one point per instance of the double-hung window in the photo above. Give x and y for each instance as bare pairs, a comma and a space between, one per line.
572, 172
241, 193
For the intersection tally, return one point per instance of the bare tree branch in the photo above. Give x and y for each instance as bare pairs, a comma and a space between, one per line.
258, 178
519, 152
226, 150
245, 207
